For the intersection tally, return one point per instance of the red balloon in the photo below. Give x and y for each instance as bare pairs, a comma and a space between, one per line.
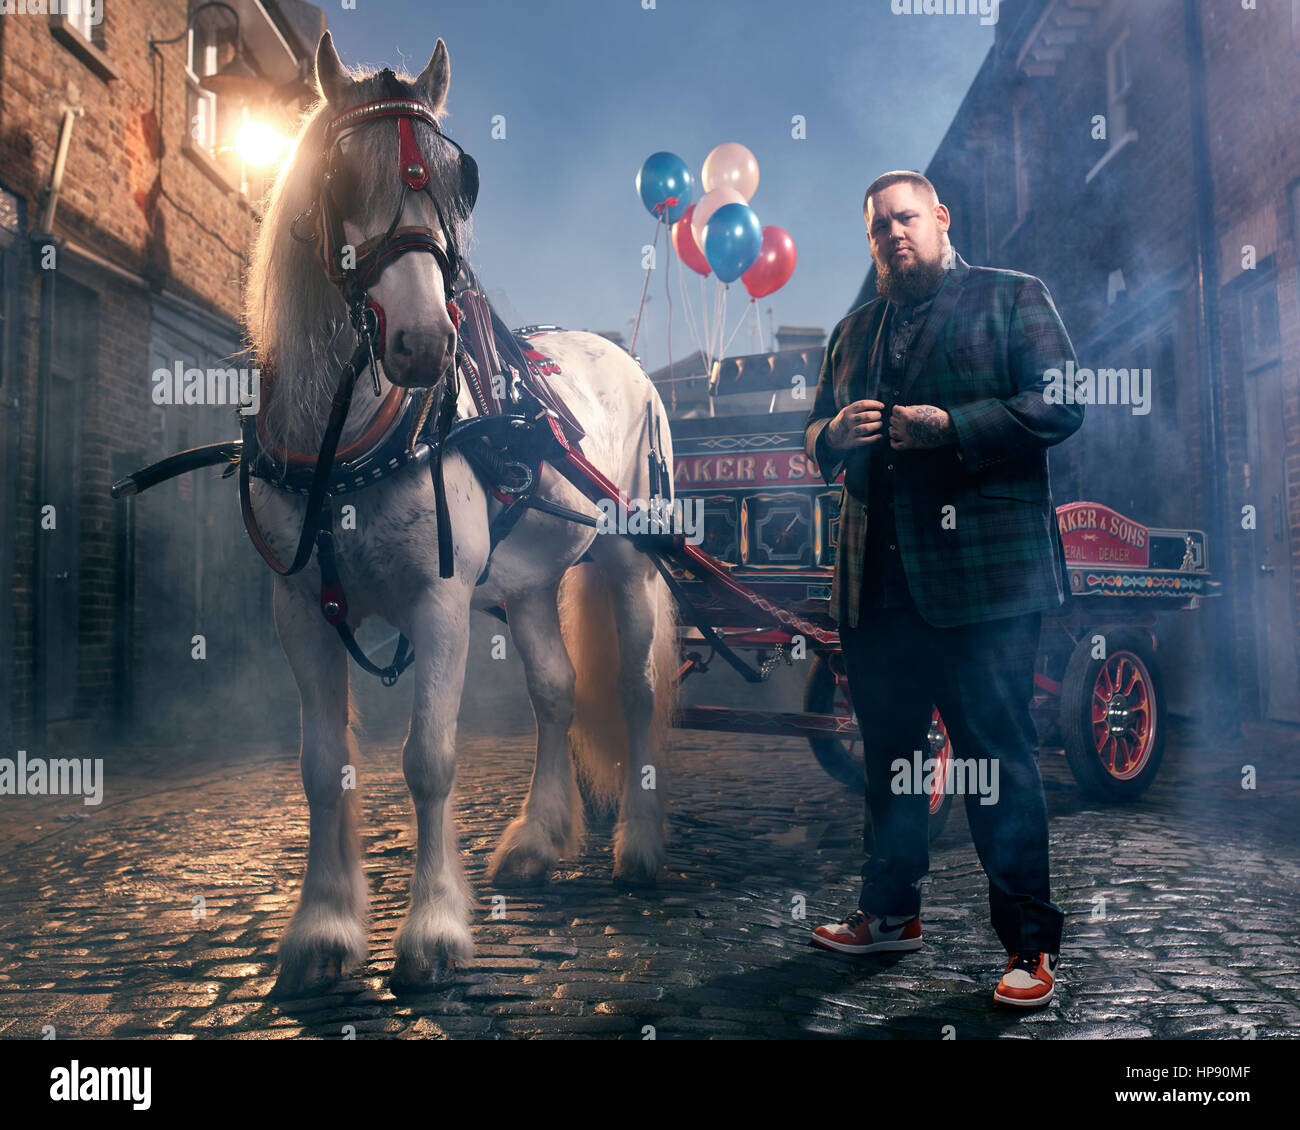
774, 265
688, 251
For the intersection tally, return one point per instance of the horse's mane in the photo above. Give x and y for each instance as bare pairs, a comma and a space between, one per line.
296, 319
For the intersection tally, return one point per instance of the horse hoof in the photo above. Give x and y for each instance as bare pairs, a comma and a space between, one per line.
409, 978
520, 869
307, 979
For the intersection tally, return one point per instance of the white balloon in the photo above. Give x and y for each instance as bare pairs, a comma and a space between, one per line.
731, 166
709, 203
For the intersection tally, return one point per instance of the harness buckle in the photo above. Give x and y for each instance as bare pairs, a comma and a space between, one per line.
516, 477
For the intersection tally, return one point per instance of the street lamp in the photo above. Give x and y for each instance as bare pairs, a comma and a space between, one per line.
236, 79
259, 145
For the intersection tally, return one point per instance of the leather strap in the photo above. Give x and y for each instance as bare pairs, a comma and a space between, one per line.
320, 479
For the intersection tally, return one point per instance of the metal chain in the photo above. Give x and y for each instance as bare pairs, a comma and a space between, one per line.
765, 668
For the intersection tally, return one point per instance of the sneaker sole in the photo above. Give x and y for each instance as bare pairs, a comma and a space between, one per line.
902, 945
1017, 1002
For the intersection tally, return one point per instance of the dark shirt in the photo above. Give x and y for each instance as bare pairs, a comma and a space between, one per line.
884, 582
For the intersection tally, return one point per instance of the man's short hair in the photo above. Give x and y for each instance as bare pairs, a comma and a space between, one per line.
899, 176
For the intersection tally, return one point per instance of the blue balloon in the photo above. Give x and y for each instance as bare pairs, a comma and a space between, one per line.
733, 237
663, 176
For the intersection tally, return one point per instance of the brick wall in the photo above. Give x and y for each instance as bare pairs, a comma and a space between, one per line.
1137, 215
1253, 86
110, 203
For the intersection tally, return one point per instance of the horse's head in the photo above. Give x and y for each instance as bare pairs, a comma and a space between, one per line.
392, 209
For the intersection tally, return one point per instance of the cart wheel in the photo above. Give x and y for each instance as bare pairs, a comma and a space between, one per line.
1113, 715
843, 759
941, 751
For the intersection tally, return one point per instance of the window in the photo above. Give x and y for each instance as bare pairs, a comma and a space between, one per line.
1117, 88
1119, 84
87, 20
1261, 337
202, 104
79, 26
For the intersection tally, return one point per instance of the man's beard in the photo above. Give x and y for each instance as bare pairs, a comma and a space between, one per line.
909, 283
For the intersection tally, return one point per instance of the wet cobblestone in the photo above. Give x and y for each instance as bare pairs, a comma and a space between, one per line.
1181, 910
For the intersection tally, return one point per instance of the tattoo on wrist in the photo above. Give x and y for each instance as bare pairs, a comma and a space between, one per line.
930, 427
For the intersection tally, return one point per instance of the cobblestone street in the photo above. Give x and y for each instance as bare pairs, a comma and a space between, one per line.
1196, 937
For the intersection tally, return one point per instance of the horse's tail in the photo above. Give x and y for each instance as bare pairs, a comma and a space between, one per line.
598, 735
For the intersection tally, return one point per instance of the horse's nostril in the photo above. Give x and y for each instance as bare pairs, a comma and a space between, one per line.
399, 344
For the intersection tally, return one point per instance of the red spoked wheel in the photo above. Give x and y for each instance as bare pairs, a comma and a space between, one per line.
1113, 713
941, 751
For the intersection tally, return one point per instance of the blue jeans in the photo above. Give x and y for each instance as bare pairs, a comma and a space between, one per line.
980, 676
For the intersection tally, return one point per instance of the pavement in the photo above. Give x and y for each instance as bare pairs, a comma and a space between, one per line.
156, 914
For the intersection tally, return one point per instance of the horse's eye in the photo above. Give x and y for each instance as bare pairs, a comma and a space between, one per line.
341, 185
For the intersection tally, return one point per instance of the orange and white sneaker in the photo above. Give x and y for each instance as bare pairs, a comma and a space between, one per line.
1029, 980
865, 933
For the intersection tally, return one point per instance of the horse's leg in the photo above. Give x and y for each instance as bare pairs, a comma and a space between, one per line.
435, 936
546, 825
327, 935
639, 833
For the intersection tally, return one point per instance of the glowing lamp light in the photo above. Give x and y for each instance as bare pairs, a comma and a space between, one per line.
259, 145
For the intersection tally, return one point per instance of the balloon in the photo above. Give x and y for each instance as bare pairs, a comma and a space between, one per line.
663, 177
774, 265
732, 240
710, 203
731, 166
688, 251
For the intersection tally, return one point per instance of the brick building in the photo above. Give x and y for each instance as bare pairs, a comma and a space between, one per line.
125, 215
1144, 161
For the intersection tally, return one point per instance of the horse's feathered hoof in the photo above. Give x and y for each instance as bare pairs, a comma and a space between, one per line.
409, 978
520, 870
307, 979
525, 857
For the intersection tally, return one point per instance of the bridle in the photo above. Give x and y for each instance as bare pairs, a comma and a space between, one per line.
322, 222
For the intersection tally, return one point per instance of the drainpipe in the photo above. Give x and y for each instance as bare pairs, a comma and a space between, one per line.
1224, 703
43, 236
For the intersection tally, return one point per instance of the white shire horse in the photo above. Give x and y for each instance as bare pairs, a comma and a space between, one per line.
597, 642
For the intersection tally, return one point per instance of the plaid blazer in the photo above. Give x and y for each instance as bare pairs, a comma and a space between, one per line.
982, 354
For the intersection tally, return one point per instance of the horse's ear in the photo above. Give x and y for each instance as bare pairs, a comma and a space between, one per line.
433, 80
332, 79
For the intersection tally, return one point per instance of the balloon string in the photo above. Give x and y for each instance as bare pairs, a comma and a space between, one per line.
722, 323
636, 329
743, 316
668, 298
713, 326
683, 292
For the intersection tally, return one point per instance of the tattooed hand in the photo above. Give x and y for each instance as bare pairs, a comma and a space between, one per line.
914, 427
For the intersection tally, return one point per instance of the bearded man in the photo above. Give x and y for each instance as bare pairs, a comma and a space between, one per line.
931, 401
